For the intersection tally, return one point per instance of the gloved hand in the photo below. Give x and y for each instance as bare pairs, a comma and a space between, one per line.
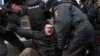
11, 27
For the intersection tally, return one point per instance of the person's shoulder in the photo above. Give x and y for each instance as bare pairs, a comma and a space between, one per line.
66, 4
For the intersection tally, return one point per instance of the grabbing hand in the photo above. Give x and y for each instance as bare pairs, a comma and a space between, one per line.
11, 27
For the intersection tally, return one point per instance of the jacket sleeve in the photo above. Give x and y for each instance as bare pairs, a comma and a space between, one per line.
23, 32
30, 34
62, 23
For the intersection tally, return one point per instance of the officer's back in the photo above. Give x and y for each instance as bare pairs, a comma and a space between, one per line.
36, 13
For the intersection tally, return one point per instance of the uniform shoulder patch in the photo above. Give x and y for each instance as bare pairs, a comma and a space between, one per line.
56, 14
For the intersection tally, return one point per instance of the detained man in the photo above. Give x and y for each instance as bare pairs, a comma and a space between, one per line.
46, 41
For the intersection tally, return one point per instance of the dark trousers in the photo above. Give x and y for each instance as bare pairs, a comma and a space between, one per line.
14, 40
97, 46
76, 49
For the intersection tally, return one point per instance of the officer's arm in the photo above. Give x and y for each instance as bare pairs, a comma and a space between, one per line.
62, 24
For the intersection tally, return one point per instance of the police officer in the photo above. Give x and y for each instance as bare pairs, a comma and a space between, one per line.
10, 11
74, 31
38, 14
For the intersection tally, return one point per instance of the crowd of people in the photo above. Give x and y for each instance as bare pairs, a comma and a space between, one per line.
75, 29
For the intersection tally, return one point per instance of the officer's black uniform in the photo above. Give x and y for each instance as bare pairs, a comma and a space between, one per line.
12, 18
38, 14
67, 19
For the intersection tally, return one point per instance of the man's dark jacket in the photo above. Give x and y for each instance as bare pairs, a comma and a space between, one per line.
45, 45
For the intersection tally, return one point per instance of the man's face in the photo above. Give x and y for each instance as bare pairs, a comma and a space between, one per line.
16, 8
49, 30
